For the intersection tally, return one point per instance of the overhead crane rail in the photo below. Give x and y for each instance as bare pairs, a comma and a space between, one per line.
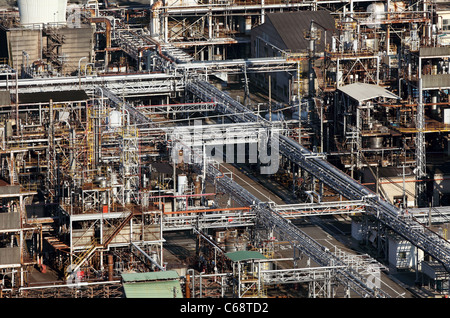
391, 216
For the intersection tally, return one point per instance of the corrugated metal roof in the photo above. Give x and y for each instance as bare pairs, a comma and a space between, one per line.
149, 276
10, 256
164, 284
157, 289
56, 96
291, 27
9, 221
244, 255
363, 91
435, 51
436, 81
5, 98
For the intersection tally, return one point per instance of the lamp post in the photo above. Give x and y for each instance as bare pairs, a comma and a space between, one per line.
79, 71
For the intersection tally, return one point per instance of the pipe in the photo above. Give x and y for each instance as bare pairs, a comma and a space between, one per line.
110, 267
108, 28
182, 195
188, 281
209, 210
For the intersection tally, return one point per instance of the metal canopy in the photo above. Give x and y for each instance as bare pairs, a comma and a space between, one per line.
362, 91
164, 284
244, 256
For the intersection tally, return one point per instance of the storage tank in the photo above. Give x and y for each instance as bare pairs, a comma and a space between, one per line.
34, 12
182, 184
376, 142
115, 119
377, 13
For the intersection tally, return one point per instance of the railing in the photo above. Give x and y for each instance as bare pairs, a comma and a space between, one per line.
72, 269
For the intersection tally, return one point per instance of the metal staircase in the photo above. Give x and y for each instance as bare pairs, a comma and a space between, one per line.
72, 269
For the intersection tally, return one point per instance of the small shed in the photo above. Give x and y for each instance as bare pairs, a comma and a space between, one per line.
286, 34
362, 92
164, 284
246, 271
241, 256
403, 254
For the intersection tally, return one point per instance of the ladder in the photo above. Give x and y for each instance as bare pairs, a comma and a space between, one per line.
72, 268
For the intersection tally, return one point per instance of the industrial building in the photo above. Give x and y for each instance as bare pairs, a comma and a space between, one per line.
224, 148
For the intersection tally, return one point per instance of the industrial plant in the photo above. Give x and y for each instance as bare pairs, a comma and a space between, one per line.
225, 149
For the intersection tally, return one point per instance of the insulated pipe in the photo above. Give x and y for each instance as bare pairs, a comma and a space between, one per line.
108, 28
110, 267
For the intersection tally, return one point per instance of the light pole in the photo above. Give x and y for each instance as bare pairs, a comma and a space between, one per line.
79, 71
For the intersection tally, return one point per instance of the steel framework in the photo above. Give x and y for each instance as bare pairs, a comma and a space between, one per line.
314, 163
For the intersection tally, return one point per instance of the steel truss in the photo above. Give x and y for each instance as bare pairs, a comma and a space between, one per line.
313, 163
319, 279
236, 66
321, 208
192, 219
177, 108
271, 219
138, 84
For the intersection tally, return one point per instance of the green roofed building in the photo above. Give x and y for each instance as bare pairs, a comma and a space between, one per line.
246, 270
241, 256
164, 284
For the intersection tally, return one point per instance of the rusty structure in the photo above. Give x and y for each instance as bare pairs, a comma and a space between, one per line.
107, 123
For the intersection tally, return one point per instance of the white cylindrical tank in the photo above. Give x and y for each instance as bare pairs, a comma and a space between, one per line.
34, 12
377, 13
182, 183
115, 119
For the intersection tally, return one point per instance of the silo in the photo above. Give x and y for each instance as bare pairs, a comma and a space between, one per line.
40, 12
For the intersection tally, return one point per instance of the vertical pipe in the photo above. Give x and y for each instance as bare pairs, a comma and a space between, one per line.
270, 98
263, 12
200, 287
110, 267
17, 103
70, 240
210, 25
188, 282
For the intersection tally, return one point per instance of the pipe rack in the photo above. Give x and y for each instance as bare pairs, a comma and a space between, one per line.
314, 164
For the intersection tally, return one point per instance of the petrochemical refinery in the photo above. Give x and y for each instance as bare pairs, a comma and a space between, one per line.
224, 149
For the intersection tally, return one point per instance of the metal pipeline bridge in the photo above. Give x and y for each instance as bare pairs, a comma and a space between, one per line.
271, 217
354, 278
316, 164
